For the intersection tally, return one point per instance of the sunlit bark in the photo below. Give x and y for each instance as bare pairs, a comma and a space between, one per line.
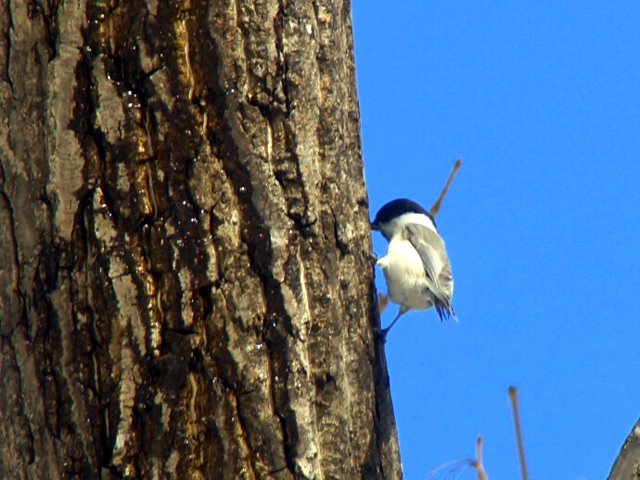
185, 249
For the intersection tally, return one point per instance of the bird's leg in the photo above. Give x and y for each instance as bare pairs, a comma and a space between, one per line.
401, 312
374, 258
383, 300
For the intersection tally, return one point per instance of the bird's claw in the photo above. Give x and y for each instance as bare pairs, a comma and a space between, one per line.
380, 334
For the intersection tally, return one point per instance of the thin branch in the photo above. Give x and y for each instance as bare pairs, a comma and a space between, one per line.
435, 208
513, 397
626, 465
453, 469
477, 464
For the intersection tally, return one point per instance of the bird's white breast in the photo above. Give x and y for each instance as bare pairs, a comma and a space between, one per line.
404, 273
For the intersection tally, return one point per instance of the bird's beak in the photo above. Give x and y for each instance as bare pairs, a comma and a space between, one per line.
374, 226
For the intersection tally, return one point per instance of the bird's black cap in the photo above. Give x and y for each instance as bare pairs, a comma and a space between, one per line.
398, 207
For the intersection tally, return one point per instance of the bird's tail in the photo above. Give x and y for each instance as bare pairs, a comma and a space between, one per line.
444, 309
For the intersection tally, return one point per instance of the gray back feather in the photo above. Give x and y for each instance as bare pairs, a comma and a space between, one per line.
435, 261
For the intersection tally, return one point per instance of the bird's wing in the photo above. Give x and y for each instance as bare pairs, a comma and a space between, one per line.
430, 247
434, 257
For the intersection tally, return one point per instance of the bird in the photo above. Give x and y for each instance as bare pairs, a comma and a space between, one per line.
416, 266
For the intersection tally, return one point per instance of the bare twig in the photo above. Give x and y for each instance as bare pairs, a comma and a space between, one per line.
435, 208
477, 464
452, 469
513, 397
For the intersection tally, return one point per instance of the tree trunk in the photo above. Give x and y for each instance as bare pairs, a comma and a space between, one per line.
186, 284
627, 465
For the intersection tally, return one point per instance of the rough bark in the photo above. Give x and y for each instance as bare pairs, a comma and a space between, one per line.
627, 465
186, 289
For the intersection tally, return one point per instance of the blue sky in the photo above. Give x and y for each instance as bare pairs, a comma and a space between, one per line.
541, 100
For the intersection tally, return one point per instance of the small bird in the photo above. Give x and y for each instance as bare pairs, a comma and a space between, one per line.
416, 266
